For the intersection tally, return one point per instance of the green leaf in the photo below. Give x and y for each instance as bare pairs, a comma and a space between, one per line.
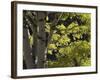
61, 27
49, 51
55, 36
52, 46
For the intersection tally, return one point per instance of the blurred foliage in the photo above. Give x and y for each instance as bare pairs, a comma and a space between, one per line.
71, 42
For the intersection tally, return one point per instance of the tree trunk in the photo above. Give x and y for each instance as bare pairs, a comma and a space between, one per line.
41, 41
27, 50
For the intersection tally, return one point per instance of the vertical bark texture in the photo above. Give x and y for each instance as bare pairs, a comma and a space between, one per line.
34, 57
41, 40
27, 50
